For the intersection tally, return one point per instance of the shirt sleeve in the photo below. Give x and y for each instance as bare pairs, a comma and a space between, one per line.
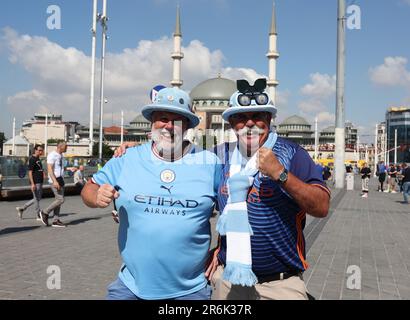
50, 158
217, 180
31, 164
76, 177
303, 167
110, 173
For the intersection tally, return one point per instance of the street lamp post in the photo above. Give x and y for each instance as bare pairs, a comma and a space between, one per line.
316, 141
122, 127
340, 102
46, 135
13, 151
375, 151
94, 31
395, 146
103, 20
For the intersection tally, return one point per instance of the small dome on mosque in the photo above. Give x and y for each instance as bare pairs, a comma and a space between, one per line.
295, 120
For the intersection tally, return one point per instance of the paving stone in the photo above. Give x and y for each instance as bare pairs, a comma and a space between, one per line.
372, 233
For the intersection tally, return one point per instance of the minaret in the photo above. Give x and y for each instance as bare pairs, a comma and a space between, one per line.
177, 55
272, 55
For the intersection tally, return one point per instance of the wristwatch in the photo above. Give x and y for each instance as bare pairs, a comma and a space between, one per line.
283, 177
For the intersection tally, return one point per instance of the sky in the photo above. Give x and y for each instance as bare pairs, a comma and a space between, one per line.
48, 70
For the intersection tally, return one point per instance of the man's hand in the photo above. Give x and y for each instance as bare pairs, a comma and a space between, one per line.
33, 187
105, 195
56, 185
268, 164
212, 263
122, 149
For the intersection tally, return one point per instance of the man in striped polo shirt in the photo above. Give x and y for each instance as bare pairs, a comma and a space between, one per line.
285, 187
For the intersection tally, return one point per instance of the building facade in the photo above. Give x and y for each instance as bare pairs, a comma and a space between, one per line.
381, 142
36, 131
297, 129
210, 99
19, 147
398, 118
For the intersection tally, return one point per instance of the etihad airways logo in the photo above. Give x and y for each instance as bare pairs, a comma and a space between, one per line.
165, 201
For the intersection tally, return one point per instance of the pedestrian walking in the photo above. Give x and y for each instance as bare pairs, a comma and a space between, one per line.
55, 168
392, 178
406, 182
365, 173
381, 173
36, 178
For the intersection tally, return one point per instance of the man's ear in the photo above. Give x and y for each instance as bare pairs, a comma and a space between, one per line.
230, 122
269, 118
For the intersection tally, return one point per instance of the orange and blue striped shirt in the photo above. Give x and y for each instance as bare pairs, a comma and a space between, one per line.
277, 221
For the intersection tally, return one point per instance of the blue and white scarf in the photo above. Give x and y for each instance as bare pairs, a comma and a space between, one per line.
234, 222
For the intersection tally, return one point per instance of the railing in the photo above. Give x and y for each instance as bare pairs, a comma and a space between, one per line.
14, 170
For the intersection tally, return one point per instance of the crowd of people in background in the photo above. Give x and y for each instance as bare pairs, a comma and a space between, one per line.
55, 172
392, 178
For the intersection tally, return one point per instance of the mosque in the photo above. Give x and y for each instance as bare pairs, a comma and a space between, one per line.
210, 99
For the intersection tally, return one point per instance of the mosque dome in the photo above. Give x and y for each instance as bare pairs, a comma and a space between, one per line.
295, 120
213, 89
330, 129
139, 119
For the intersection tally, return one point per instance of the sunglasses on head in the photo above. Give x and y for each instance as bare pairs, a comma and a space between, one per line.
245, 99
249, 93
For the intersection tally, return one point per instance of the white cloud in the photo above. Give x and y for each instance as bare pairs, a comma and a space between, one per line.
393, 72
311, 105
61, 76
326, 118
322, 86
242, 73
319, 94
282, 99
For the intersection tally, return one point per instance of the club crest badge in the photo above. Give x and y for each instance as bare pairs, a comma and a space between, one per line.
167, 176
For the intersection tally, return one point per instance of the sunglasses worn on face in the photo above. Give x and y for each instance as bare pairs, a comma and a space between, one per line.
242, 117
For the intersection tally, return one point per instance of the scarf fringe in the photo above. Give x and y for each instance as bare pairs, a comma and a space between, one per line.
221, 224
239, 275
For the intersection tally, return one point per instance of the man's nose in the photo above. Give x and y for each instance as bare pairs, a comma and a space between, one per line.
169, 125
250, 123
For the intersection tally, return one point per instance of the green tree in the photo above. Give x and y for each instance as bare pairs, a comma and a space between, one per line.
106, 150
53, 141
2, 140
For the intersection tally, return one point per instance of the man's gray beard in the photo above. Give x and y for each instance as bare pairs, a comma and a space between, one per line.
165, 148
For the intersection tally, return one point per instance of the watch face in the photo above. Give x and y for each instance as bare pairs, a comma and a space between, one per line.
283, 176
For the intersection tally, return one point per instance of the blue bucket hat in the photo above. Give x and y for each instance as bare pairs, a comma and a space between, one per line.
234, 107
172, 100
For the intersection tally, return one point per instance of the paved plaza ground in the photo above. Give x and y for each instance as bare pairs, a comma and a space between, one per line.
372, 234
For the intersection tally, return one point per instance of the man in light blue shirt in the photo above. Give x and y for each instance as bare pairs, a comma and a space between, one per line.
165, 193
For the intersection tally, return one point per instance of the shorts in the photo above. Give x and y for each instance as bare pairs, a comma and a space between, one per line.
119, 291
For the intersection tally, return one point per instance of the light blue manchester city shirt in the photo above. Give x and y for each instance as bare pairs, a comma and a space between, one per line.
164, 208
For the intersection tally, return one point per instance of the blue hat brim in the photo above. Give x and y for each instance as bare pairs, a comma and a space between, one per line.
149, 109
252, 108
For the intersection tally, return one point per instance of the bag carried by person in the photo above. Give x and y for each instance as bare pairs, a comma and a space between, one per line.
60, 181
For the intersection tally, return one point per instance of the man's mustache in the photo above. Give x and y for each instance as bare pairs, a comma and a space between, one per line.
253, 130
159, 133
